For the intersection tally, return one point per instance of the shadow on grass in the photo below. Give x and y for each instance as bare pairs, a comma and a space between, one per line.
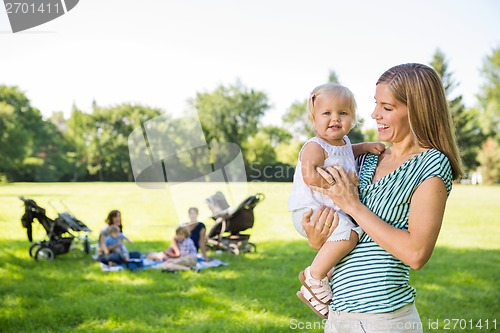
255, 293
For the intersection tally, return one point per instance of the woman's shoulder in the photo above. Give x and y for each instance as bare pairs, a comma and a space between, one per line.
199, 225
435, 163
433, 158
435, 153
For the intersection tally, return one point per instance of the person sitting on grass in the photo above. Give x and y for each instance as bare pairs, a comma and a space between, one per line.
181, 255
197, 232
105, 253
115, 240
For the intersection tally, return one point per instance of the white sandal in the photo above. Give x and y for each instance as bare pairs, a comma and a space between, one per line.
319, 289
320, 309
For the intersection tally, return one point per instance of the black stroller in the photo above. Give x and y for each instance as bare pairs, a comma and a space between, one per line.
225, 234
58, 231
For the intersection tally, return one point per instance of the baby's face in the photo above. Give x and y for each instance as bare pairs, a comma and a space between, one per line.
114, 234
332, 119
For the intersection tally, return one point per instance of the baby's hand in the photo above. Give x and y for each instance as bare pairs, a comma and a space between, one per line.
374, 147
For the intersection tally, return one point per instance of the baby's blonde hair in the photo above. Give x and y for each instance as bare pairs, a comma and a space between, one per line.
113, 229
341, 92
182, 231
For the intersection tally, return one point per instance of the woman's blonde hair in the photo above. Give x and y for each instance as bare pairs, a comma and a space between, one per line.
344, 94
421, 90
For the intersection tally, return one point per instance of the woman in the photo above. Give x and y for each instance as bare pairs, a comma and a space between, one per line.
198, 232
105, 253
400, 206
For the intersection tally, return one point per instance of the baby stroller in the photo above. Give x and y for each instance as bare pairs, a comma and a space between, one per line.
60, 238
225, 234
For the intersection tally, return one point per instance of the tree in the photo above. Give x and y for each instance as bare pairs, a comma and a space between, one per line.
268, 155
230, 113
371, 135
41, 142
356, 134
489, 98
276, 135
489, 158
13, 141
78, 131
260, 151
52, 148
106, 145
466, 121
333, 77
296, 119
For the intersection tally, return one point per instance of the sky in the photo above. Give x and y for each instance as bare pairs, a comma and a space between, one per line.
161, 53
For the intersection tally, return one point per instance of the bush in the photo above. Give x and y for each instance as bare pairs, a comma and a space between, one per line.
489, 159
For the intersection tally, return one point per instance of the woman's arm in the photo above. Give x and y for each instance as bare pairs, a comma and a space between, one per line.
413, 246
126, 238
203, 243
103, 246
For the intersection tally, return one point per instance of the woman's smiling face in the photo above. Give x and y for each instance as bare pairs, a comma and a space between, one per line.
391, 115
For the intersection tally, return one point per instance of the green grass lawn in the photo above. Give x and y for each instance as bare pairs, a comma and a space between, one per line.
255, 293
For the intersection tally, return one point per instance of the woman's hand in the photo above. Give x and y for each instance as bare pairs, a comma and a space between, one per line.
343, 188
320, 225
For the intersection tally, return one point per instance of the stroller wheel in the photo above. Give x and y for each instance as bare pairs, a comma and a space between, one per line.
34, 248
44, 253
233, 248
252, 248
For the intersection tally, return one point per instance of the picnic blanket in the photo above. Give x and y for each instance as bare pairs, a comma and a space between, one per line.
144, 263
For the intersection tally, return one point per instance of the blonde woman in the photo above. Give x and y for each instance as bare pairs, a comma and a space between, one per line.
400, 204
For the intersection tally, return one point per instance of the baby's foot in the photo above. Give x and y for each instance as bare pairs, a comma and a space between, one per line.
319, 308
319, 289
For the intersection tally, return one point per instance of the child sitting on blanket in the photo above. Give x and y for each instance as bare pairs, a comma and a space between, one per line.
181, 255
115, 237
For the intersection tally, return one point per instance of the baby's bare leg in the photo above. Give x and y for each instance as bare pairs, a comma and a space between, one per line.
330, 254
153, 256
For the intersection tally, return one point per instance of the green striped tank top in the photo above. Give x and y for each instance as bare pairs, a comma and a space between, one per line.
369, 279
